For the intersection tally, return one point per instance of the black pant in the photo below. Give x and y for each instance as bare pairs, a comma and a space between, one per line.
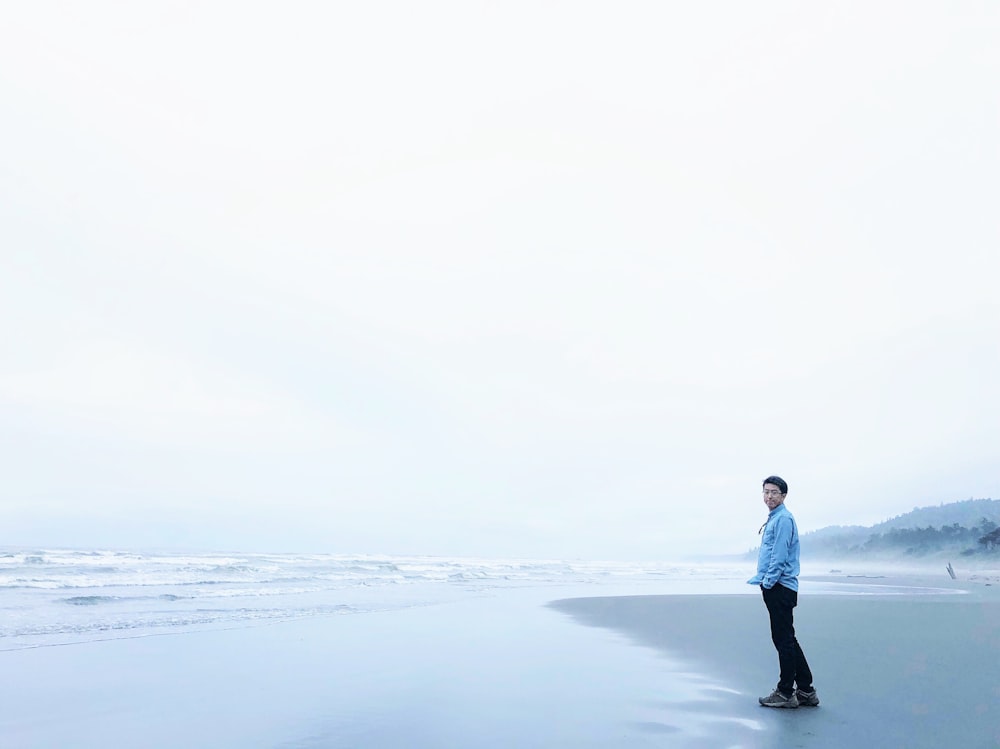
794, 670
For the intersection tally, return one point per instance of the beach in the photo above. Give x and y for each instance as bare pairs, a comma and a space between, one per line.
603, 663
915, 667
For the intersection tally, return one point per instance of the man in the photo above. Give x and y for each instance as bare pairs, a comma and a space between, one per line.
778, 578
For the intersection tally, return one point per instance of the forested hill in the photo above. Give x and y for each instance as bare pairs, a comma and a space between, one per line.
969, 527
967, 512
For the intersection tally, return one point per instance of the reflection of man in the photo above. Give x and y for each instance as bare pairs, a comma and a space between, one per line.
778, 577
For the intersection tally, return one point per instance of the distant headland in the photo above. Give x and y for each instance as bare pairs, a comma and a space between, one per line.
968, 528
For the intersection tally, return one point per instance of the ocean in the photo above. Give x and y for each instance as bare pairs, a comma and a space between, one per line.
62, 596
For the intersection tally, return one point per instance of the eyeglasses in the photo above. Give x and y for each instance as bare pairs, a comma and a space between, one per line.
772, 492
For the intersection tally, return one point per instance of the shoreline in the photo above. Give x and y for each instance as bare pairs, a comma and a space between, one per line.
677, 662
494, 670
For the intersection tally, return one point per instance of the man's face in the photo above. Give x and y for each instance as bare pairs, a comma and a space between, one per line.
772, 496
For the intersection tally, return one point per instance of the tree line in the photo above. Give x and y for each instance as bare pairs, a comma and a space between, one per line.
983, 537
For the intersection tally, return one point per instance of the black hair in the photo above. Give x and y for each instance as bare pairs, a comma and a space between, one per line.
778, 482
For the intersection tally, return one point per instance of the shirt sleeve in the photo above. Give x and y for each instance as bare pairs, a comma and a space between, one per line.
779, 552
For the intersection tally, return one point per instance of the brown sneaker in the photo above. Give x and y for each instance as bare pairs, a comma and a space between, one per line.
777, 699
807, 699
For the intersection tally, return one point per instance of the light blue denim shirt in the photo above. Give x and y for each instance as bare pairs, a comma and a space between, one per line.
778, 559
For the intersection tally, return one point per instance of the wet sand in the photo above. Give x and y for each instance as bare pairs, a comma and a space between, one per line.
895, 666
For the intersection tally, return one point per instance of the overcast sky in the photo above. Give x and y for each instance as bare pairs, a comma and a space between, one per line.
548, 279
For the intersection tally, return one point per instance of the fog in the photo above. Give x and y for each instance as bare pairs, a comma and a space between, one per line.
557, 280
